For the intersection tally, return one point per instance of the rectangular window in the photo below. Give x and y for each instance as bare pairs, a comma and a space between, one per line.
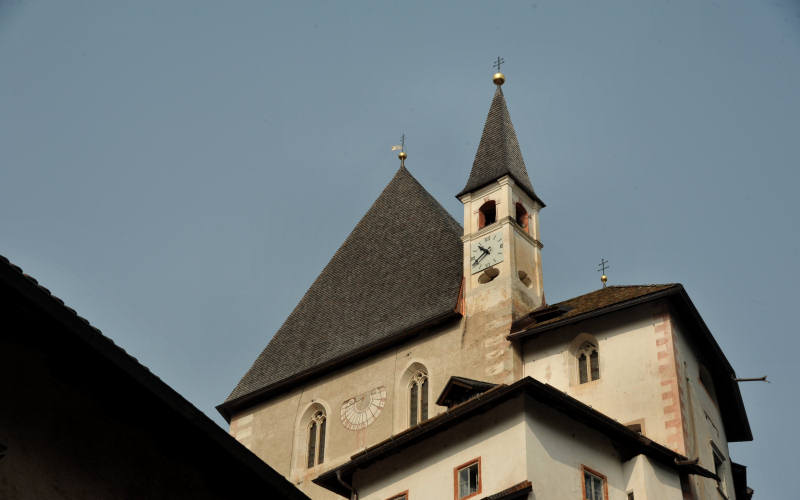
594, 485
467, 479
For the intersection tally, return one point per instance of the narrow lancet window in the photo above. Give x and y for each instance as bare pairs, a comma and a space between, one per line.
588, 363
414, 393
312, 444
316, 439
418, 399
582, 368
423, 410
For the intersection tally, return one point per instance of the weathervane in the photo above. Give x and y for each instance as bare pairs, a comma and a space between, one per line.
601, 268
402, 147
498, 78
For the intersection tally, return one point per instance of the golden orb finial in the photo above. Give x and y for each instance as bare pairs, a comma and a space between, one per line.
604, 279
498, 78
402, 155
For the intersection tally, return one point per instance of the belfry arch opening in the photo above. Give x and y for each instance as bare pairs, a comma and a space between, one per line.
521, 216
487, 214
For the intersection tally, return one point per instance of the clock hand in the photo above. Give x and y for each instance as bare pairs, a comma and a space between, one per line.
484, 249
484, 254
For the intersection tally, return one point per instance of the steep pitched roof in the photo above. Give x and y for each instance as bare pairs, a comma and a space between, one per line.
498, 152
399, 268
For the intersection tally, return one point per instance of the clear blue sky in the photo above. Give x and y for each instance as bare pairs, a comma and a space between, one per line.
179, 172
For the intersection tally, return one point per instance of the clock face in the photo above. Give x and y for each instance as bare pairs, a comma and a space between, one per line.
486, 252
360, 411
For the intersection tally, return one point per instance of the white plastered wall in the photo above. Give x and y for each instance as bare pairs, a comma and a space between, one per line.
425, 470
629, 389
704, 421
516, 441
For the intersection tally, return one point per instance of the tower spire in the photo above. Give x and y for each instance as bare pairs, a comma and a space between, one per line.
498, 152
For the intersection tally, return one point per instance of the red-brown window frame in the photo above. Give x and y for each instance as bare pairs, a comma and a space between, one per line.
455, 478
585, 469
395, 497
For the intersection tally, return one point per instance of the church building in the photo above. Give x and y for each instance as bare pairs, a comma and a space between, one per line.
425, 362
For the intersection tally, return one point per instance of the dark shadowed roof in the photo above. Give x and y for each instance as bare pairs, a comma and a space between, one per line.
399, 268
459, 389
105, 373
498, 152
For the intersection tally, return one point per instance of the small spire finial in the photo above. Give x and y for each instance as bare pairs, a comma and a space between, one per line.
601, 268
498, 78
402, 147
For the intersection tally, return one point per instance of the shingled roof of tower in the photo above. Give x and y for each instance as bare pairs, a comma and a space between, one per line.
498, 152
400, 267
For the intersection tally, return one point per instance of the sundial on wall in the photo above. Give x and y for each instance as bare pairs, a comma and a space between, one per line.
360, 411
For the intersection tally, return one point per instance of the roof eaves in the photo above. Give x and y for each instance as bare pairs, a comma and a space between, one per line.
542, 392
601, 311
30, 289
519, 490
229, 408
518, 182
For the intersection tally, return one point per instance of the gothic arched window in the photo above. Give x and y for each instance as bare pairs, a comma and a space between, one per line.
588, 363
316, 439
487, 214
418, 398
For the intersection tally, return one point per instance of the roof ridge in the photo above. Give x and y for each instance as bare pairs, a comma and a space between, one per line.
615, 287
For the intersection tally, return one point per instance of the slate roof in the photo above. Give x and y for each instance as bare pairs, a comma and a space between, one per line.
400, 267
498, 152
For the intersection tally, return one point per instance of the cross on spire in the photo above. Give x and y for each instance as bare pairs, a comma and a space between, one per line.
403, 142
498, 62
601, 268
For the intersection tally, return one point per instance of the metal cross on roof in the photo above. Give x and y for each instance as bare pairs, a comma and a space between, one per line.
403, 142
498, 62
601, 268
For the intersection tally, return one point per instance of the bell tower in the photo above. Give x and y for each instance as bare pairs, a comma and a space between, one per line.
502, 249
